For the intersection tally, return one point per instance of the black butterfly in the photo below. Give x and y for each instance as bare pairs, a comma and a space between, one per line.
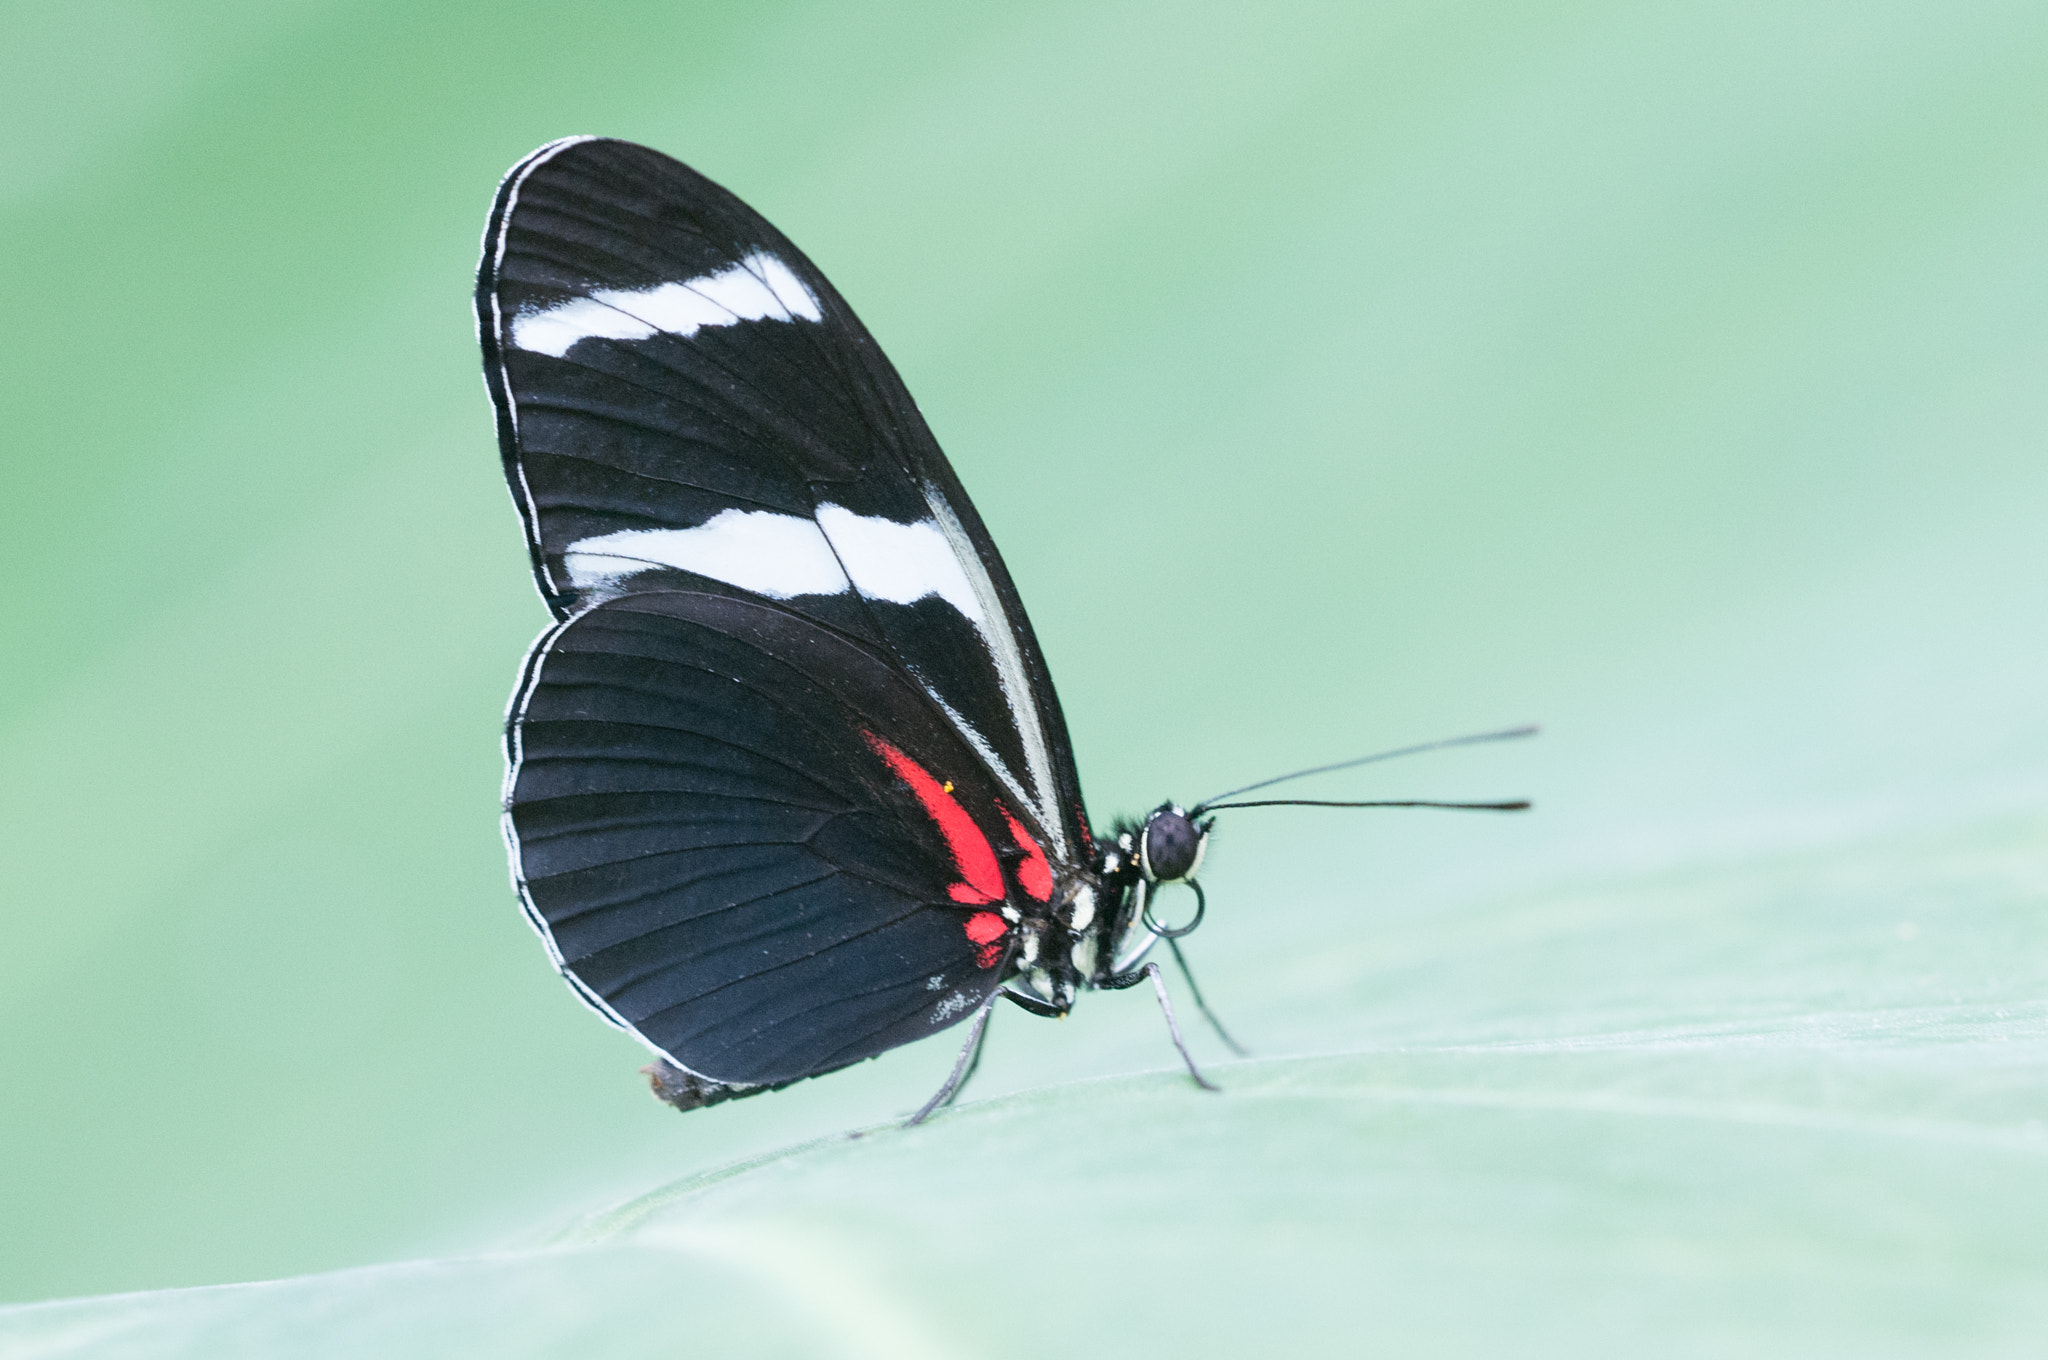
788, 782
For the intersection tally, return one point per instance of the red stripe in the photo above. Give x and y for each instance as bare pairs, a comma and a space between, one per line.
984, 929
1034, 875
973, 858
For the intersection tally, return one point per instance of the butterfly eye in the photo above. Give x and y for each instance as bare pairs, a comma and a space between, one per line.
1170, 849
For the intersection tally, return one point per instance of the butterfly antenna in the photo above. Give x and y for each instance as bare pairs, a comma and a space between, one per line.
1188, 975
1512, 805
1508, 734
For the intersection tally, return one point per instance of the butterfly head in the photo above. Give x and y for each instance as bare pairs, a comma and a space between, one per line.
1170, 844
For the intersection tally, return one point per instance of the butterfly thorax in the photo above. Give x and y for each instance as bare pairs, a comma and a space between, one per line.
1087, 933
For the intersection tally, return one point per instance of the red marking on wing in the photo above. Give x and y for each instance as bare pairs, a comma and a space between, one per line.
973, 858
984, 929
1034, 875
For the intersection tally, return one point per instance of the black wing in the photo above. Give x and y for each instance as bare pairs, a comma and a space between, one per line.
684, 400
746, 838
688, 409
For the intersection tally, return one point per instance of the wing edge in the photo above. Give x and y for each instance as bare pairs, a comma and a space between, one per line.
490, 334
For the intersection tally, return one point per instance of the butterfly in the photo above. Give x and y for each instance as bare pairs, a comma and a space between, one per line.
788, 784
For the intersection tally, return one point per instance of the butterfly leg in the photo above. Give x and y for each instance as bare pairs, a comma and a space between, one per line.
1188, 976
1031, 1005
978, 1041
1151, 970
963, 1066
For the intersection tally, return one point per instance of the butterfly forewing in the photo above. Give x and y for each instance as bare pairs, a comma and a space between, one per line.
682, 394
794, 704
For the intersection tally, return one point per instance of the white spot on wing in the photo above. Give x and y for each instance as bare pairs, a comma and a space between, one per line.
789, 290
779, 556
900, 563
758, 288
1010, 673
782, 556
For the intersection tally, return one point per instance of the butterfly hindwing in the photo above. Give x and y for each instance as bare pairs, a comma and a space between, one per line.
750, 840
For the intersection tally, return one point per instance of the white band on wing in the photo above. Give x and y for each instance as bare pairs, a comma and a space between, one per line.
779, 556
783, 556
758, 288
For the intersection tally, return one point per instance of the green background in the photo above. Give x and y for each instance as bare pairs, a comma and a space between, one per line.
1333, 377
